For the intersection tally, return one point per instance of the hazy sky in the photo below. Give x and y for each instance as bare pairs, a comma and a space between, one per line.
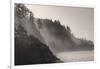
80, 20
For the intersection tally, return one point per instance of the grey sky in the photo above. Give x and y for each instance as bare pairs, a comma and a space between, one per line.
80, 20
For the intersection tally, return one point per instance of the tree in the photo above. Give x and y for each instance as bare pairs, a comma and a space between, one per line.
68, 28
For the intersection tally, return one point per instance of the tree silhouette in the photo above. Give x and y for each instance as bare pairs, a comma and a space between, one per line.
68, 28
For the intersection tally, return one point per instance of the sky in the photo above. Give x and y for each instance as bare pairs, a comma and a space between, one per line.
79, 19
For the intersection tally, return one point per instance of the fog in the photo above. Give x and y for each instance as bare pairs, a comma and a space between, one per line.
80, 20
76, 56
61, 30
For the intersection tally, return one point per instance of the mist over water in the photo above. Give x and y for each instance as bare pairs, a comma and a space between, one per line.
75, 56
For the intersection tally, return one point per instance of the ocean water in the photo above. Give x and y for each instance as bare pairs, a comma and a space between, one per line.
76, 56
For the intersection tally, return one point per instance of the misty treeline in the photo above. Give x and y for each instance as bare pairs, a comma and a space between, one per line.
38, 40
28, 49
